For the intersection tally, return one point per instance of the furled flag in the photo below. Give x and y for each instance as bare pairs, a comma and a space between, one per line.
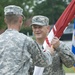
61, 23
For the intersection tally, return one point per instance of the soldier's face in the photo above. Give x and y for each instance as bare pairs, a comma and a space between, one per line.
40, 32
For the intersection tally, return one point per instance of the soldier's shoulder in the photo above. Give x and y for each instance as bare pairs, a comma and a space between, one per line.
29, 39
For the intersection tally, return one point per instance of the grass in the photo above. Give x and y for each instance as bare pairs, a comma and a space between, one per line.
69, 70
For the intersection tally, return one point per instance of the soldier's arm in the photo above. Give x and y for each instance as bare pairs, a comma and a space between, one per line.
65, 54
40, 58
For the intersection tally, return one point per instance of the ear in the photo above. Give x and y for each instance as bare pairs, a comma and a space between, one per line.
20, 19
48, 27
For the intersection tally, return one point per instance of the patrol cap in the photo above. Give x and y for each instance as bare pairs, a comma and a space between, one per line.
40, 20
13, 9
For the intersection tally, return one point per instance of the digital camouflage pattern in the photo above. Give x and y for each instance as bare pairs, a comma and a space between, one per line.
13, 9
62, 56
40, 20
17, 52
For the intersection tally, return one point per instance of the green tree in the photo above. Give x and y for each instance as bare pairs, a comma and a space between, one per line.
50, 8
25, 4
1, 18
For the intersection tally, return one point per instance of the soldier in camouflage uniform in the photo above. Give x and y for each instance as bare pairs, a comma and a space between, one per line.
16, 49
62, 53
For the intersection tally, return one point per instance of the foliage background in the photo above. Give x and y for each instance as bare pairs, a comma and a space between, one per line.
50, 8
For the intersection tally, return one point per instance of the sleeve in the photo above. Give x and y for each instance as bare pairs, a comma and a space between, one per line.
40, 58
66, 55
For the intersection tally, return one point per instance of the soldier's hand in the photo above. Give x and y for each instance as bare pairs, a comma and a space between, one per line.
51, 49
55, 42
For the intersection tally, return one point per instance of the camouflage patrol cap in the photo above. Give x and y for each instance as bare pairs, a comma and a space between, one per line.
40, 20
13, 9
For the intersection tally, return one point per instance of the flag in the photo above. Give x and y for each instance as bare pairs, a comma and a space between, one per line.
73, 41
61, 23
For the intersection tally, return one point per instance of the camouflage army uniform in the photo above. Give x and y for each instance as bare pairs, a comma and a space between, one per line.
61, 56
16, 51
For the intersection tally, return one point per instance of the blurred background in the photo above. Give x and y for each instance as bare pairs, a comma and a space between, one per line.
50, 8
